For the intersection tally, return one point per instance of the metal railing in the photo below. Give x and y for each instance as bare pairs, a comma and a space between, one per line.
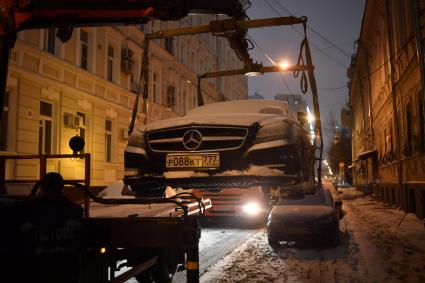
42, 171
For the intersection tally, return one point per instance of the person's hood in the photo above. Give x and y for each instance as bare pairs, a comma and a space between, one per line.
244, 120
293, 212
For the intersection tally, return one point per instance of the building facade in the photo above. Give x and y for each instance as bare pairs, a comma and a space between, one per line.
387, 109
86, 87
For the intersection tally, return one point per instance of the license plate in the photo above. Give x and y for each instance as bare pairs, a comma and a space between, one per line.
193, 161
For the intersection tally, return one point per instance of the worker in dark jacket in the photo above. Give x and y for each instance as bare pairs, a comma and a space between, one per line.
49, 231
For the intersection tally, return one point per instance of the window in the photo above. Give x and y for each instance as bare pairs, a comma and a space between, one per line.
183, 55
110, 64
194, 100
184, 102
194, 62
155, 92
84, 40
408, 150
82, 130
4, 122
45, 131
421, 123
51, 42
390, 138
403, 17
171, 96
201, 66
108, 140
145, 28
169, 45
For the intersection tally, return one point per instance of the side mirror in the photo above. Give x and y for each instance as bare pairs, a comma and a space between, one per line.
302, 118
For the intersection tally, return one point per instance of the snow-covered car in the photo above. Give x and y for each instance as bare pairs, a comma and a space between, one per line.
300, 216
241, 143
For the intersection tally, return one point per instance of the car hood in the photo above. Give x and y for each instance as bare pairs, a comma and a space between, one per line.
292, 212
217, 119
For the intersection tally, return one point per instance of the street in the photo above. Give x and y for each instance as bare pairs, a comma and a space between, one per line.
375, 247
372, 249
217, 241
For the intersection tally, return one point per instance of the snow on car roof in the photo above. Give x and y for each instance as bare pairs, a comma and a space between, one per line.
252, 106
299, 198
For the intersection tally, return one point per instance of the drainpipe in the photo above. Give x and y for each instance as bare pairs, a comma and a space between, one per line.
388, 20
419, 48
372, 133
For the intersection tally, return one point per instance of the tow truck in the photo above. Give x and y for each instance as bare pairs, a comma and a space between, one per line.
153, 246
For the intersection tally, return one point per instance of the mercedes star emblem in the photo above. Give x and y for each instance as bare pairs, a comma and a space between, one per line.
192, 139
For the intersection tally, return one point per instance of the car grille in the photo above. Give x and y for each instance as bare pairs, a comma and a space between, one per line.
213, 139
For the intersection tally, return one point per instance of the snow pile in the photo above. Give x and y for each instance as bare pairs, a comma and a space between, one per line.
251, 171
114, 191
254, 261
184, 174
349, 193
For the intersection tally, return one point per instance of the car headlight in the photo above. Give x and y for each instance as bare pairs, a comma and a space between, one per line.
274, 131
137, 138
252, 208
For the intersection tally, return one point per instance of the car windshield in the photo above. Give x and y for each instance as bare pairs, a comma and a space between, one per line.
321, 198
260, 106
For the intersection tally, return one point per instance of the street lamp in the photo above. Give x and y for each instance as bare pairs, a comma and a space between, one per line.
284, 65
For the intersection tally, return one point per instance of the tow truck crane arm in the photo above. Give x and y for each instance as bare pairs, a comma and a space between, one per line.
17, 15
23, 14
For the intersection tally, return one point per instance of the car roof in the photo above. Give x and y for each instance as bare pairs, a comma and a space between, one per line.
320, 197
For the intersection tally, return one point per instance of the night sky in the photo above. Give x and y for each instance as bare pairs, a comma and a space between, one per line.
339, 21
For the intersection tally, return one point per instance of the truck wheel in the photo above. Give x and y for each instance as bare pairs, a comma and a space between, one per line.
160, 273
163, 272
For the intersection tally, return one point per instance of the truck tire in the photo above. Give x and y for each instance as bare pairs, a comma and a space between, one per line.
163, 271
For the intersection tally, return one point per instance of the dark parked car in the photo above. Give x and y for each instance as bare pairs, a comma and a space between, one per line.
300, 216
239, 143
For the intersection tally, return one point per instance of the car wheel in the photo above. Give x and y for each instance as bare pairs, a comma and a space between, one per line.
273, 242
335, 235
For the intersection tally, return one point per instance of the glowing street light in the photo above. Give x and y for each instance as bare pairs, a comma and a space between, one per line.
284, 65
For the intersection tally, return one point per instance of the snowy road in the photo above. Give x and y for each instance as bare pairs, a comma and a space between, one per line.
372, 249
217, 241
